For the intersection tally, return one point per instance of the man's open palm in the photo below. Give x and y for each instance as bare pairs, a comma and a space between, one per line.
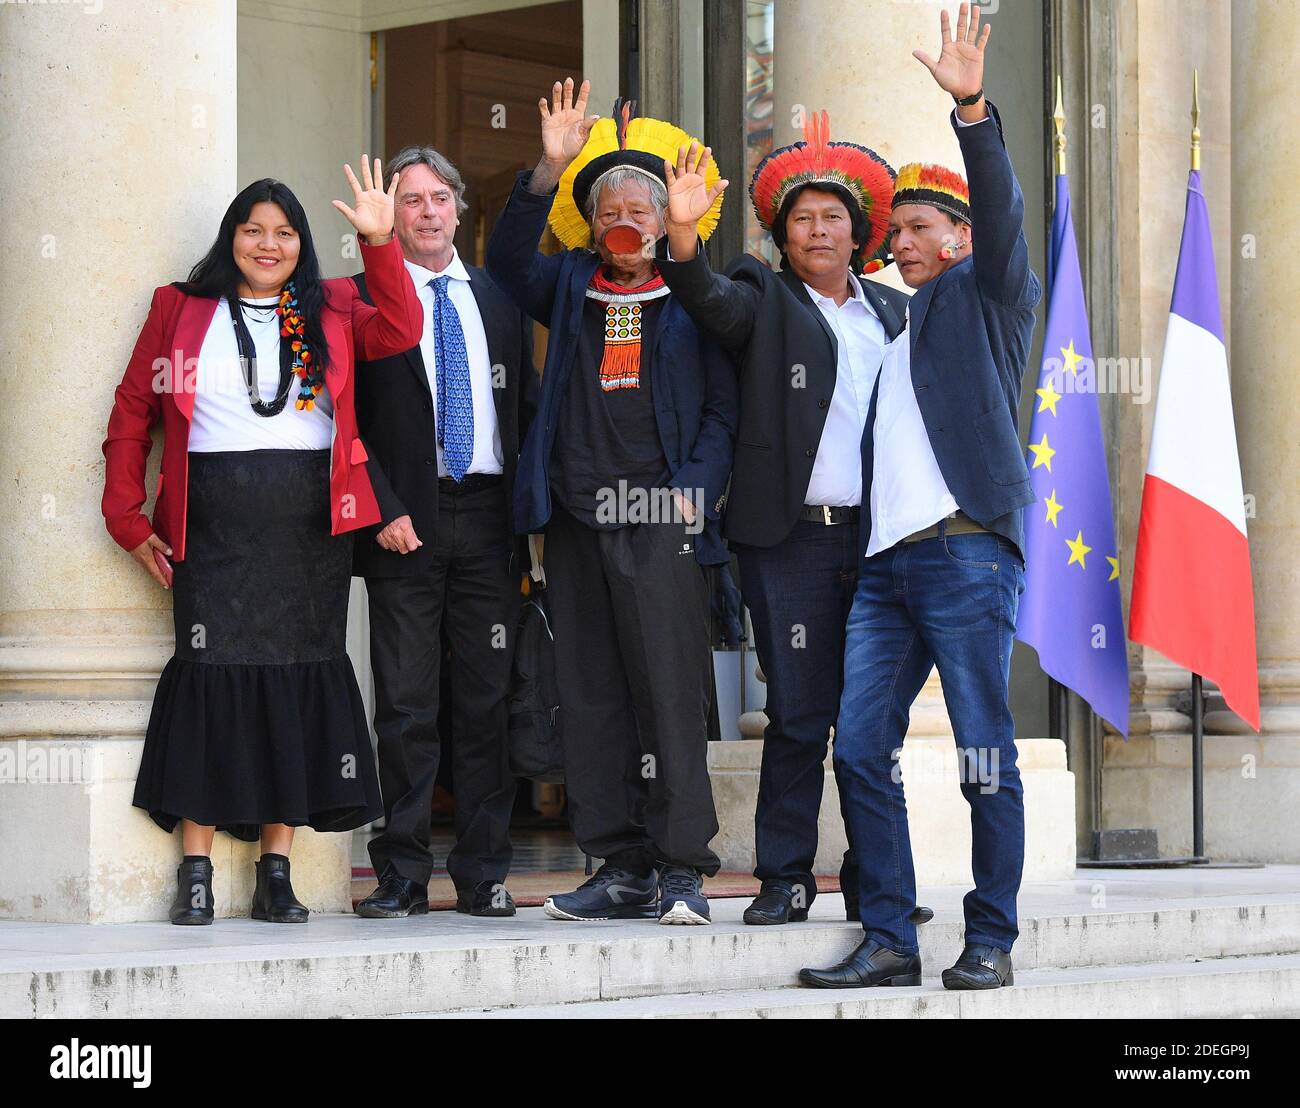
565, 124
960, 68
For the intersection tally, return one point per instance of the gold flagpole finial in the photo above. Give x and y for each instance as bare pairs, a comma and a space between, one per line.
1058, 117
1196, 119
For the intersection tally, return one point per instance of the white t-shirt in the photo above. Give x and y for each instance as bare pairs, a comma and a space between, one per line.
223, 417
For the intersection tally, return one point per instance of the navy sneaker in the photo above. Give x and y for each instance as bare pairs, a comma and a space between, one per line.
680, 899
610, 893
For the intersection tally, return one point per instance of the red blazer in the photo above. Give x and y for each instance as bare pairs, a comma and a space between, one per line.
159, 382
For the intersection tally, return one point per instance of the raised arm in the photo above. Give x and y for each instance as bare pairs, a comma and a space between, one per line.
722, 308
393, 323
513, 259
1000, 253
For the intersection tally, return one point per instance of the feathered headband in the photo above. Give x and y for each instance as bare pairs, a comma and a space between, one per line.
641, 144
864, 173
934, 185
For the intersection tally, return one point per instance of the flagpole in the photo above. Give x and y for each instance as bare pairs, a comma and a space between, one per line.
1198, 690
1058, 118
1058, 715
1060, 697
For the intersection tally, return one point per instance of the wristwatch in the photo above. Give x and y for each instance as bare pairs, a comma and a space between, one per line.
967, 101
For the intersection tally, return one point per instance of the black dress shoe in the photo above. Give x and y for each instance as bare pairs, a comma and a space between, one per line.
980, 967
918, 915
487, 898
273, 899
869, 964
775, 903
193, 903
397, 896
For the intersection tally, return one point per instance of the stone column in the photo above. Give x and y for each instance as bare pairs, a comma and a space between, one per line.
1248, 141
855, 62
1265, 397
117, 126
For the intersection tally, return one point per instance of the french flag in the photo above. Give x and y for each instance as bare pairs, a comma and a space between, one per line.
1192, 598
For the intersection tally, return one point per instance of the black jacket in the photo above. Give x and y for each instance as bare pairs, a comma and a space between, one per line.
693, 383
395, 415
787, 354
971, 331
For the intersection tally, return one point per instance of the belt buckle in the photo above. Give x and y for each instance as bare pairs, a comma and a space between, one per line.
826, 514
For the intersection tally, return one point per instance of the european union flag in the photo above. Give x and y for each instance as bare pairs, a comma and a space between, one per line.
1070, 612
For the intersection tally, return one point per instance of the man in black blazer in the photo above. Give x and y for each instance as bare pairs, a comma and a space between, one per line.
808, 340
444, 421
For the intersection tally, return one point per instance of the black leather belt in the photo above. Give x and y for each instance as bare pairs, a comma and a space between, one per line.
830, 514
471, 482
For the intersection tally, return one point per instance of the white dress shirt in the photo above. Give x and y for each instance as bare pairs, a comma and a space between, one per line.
223, 417
487, 436
908, 493
859, 341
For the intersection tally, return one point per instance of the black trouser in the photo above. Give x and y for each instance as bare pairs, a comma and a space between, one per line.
469, 586
799, 595
629, 610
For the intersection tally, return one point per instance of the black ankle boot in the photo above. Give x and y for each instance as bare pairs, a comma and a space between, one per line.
193, 903
273, 899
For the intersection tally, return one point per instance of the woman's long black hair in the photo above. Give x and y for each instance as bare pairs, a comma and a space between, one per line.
217, 274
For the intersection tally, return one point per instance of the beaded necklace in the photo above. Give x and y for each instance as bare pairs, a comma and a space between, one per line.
292, 326
295, 358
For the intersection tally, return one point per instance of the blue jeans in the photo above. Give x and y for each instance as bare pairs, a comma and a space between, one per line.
949, 601
799, 594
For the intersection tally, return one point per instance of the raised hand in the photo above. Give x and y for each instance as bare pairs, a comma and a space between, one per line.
689, 197
565, 124
960, 68
372, 215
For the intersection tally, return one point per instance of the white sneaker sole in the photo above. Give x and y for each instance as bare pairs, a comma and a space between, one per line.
558, 913
680, 913
643, 912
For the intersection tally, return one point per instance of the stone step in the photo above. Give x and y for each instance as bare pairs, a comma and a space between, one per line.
1225, 988
345, 966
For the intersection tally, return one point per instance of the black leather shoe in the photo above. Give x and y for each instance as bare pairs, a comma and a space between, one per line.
487, 898
918, 915
980, 967
397, 896
775, 903
273, 899
869, 964
193, 903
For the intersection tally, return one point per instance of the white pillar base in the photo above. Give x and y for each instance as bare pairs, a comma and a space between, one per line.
76, 851
938, 816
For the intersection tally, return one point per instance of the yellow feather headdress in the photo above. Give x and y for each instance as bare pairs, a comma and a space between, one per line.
643, 143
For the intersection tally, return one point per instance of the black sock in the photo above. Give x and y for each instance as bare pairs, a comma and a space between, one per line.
195, 858
279, 857
640, 863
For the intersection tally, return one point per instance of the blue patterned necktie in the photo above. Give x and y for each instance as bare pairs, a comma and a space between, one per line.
455, 396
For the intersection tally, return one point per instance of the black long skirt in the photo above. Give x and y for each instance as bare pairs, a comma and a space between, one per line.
257, 717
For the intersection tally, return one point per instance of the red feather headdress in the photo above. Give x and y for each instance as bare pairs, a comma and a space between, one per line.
864, 173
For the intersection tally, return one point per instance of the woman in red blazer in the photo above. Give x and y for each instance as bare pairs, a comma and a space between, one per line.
257, 724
